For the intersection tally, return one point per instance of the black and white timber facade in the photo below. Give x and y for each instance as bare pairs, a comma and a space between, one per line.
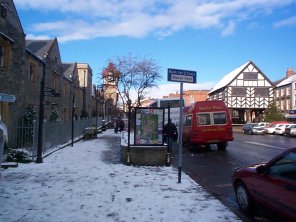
246, 91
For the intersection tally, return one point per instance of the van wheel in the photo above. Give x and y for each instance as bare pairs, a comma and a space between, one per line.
222, 146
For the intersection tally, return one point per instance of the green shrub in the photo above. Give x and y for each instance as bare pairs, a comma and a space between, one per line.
17, 155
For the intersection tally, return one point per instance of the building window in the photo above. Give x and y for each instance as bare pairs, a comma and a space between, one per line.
294, 85
238, 91
191, 99
282, 92
277, 93
261, 92
288, 91
250, 76
55, 81
1, 55
3, 10
32, 72
65, 89
283, 105
288, 106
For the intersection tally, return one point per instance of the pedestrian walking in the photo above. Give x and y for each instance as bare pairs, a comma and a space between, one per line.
170, 133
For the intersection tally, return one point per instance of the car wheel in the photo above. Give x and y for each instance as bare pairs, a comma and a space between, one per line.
243, 197
222, 146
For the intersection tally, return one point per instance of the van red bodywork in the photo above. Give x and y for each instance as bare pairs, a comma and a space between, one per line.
207, 122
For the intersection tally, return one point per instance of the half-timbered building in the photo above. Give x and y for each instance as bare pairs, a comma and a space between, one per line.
246, 91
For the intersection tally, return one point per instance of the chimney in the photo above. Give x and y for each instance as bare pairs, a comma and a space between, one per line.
289, 72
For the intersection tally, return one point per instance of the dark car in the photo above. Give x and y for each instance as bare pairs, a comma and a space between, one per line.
291, 130
271, 185
253, 128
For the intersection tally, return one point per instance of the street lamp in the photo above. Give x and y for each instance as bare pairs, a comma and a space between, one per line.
73, 116
41, 115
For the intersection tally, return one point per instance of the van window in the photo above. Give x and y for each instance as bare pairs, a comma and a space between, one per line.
219, 118
188, 121
203, 119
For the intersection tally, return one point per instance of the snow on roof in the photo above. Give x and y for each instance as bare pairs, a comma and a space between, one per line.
287, 81
228, 78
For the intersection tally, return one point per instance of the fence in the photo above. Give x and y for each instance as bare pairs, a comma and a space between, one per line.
25, 136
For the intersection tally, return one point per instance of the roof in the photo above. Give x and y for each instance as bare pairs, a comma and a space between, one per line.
7, 37
287, 81
39, 47
229, 77
68, 69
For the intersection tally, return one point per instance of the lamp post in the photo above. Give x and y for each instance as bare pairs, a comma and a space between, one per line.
96, 109
41, 116
73, 116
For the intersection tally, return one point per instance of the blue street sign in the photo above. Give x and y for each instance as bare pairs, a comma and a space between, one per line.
7, 98
179, 75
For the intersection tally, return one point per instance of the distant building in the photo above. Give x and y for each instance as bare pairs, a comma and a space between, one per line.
285, 92
110, 77
246, 91
190, 96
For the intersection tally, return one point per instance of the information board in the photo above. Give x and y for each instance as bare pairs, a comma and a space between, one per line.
149, 126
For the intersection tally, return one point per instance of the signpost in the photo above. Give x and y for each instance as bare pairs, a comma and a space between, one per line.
179, 75
182, 76
50, 92
7, 98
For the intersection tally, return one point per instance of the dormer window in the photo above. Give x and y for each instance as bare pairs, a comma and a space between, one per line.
3, 10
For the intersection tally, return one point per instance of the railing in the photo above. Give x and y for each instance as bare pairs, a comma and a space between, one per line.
25, 136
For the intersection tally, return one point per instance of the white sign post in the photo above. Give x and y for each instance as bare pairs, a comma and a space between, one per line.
182, 76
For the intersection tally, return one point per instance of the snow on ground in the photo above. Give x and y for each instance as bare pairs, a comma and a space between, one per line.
78, 184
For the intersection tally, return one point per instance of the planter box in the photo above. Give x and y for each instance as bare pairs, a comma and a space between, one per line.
145, 155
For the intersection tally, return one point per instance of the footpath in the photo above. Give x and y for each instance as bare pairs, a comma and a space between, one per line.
87, 183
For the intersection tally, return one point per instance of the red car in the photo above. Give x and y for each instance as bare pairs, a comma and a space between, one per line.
271, 185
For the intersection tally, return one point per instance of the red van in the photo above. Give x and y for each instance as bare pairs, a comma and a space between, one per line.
207, 122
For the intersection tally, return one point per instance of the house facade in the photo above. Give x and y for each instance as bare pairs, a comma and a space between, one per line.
285, 92
246, 91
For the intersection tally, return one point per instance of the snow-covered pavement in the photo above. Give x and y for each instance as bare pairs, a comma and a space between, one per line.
77, 184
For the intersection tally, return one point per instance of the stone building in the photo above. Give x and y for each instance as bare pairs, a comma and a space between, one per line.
25, 63
110, 81
246, 91
85, 83
12, 62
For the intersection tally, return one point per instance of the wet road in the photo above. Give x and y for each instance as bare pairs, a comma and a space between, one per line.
212, 169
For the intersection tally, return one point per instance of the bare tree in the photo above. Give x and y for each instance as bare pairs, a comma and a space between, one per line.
136, 74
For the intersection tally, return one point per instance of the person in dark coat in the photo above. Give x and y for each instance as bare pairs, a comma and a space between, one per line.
170, 133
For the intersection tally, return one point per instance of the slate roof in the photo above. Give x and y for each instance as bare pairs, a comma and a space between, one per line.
229, 77
39, 47
68, 69
287, 81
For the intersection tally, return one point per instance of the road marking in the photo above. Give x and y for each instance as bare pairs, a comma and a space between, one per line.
262, 144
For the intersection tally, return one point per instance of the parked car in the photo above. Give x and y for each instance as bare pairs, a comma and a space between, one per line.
271, 185
291, 130
253, 128
271, 127
280, 130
